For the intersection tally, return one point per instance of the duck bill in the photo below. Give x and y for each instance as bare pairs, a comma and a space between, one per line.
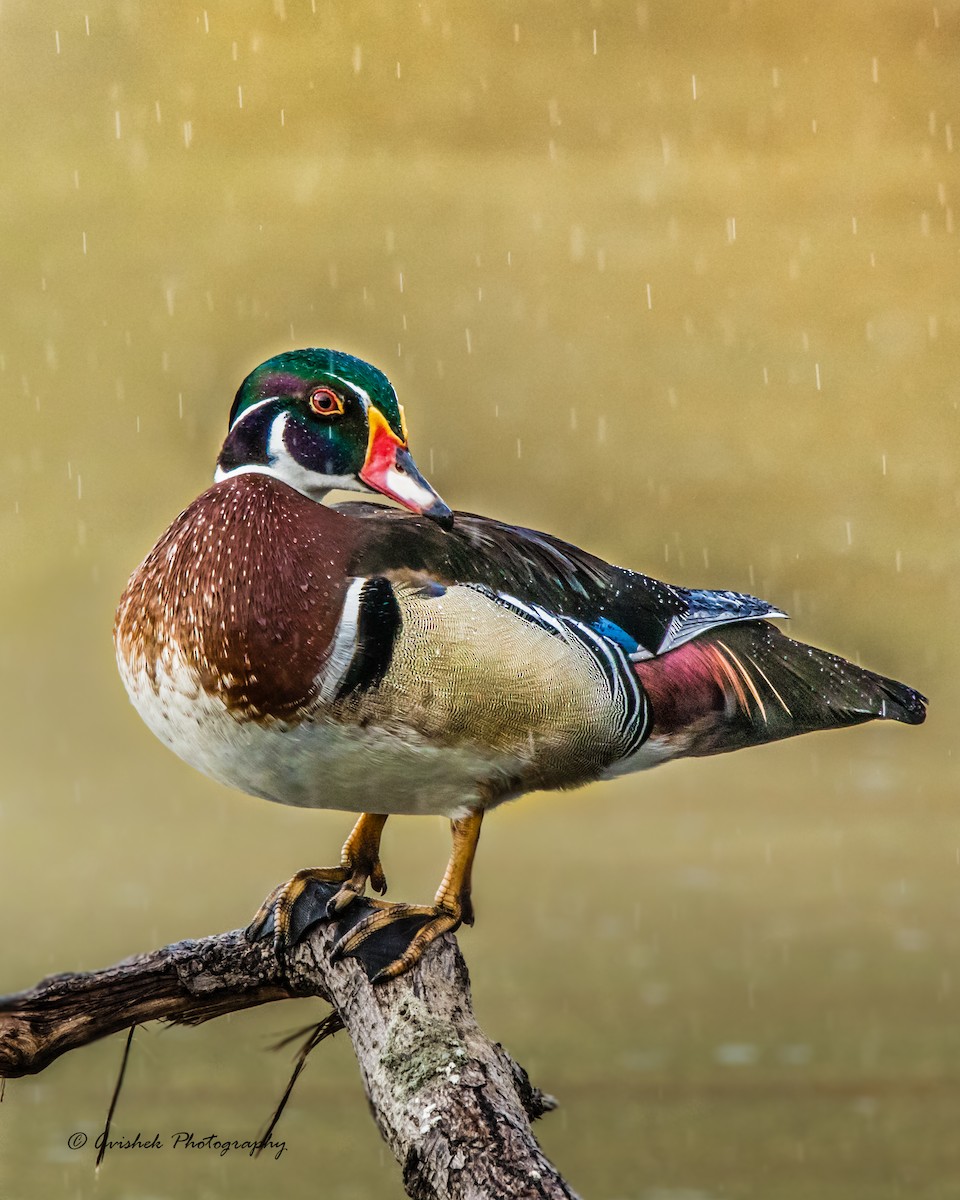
389, 469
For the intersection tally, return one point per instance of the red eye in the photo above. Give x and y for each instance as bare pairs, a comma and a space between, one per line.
326, 402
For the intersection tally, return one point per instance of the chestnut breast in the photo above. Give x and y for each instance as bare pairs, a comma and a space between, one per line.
246, 586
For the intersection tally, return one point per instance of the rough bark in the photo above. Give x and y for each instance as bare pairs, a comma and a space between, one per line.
453, 1106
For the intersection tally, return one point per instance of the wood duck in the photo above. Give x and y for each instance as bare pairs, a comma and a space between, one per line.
375, 660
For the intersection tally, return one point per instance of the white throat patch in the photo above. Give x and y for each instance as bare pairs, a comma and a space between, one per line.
284, 466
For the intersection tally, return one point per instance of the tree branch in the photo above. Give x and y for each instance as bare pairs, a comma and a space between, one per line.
453, 1106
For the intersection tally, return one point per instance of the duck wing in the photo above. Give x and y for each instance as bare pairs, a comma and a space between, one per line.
642, 615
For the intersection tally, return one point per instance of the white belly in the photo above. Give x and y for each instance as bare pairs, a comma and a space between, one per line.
315, 763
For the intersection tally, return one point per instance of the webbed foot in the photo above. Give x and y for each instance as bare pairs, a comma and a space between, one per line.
291, 908
391, 938
387, 939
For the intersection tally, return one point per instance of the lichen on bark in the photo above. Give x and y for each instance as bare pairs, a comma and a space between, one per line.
420, 1048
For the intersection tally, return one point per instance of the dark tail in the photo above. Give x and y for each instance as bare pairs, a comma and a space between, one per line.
748, 684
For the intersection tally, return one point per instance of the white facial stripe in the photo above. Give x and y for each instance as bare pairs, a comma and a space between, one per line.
357, 390
253, 408
363, 395
275, 443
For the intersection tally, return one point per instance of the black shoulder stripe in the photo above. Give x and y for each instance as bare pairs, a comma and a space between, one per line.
378, 623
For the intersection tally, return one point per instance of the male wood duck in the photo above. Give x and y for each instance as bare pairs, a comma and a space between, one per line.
381, 661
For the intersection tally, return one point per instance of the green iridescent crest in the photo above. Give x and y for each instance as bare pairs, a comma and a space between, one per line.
296, 373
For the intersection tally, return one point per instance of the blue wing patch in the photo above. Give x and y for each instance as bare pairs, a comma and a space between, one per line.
613, 632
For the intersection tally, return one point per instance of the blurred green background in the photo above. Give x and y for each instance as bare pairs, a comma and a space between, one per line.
674, 280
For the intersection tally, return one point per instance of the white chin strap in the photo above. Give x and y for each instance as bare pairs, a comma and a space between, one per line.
284, 466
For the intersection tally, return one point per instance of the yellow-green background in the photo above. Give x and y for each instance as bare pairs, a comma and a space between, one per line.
675, 280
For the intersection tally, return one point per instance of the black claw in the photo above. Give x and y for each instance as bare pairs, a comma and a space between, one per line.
332, 911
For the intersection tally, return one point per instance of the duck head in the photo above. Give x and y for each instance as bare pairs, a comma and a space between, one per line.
321, 419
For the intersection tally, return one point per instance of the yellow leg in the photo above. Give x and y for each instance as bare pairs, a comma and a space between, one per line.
359, 862
451, 907
361, 857
457, 882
